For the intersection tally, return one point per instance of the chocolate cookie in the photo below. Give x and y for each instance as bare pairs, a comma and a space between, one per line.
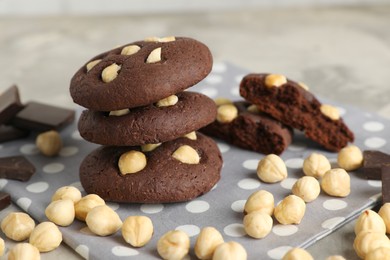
295, 106
149, 124
140, 73
252, 130
163, 179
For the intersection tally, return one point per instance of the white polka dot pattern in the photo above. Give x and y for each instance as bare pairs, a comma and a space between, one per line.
223, 206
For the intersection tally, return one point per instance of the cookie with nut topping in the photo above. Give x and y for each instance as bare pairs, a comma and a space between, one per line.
243, 125
175, 171
162, 121
293, 104
140, 73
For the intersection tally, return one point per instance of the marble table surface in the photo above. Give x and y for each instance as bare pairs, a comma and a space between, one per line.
340, 53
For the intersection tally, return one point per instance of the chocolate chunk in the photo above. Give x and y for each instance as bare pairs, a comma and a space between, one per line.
5, 200
41, 117
9, 133
385, 170
16, 168
373, 162
10, 104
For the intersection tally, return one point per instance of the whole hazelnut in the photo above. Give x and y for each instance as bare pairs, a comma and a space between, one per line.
46, 237
316, 165
132, 162
271, 169
368, 240
336, 182
226, 113
137, 230
307, 188
61, 212
380, 253
186, 154
24, 251
173, 245
67, 192
49, 143
85, 204
206, 243
262, 201
384, 212
290, 210
17, 226
350, 158
258, 224
103, 221
297, 253
370, 220
230, 251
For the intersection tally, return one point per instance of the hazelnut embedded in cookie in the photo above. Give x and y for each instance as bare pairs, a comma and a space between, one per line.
154, 56
186, 154
168, 101
131, 162
110, 73
92, 64
330, 111
130, 50
275, 80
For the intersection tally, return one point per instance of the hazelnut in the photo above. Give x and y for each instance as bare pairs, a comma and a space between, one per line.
336, 182
131, 162
222, 101
186, 154
290, 210
297, 253
85, 204
307, 188
335, 257
121, 112
275, 80
384, 212
253, 109
380, 253
316, 165
61, 212
226, 113
154, 56
271, 169
49, 143
370, 220
103, 221
350, 158
149, 147
191, 136
46, 237
168, 101
206, 243
230, 251
258, 224
130, 50
2, 246
92, 64
368, 240
137, 230
304, 86
110, 73
24, 251
17, 226
163, 39
261, 201
67, 192
174, 244
330, 112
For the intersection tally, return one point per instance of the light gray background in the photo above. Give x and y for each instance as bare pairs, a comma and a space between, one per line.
342, 53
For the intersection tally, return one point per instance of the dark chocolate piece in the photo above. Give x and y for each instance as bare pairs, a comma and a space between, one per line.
16, 168
10, 104
42, 117
5, 200
385, 176
252, 130
373, 162
9, 133
294, 106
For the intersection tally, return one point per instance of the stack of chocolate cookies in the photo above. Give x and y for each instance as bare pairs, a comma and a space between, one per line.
147, 125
